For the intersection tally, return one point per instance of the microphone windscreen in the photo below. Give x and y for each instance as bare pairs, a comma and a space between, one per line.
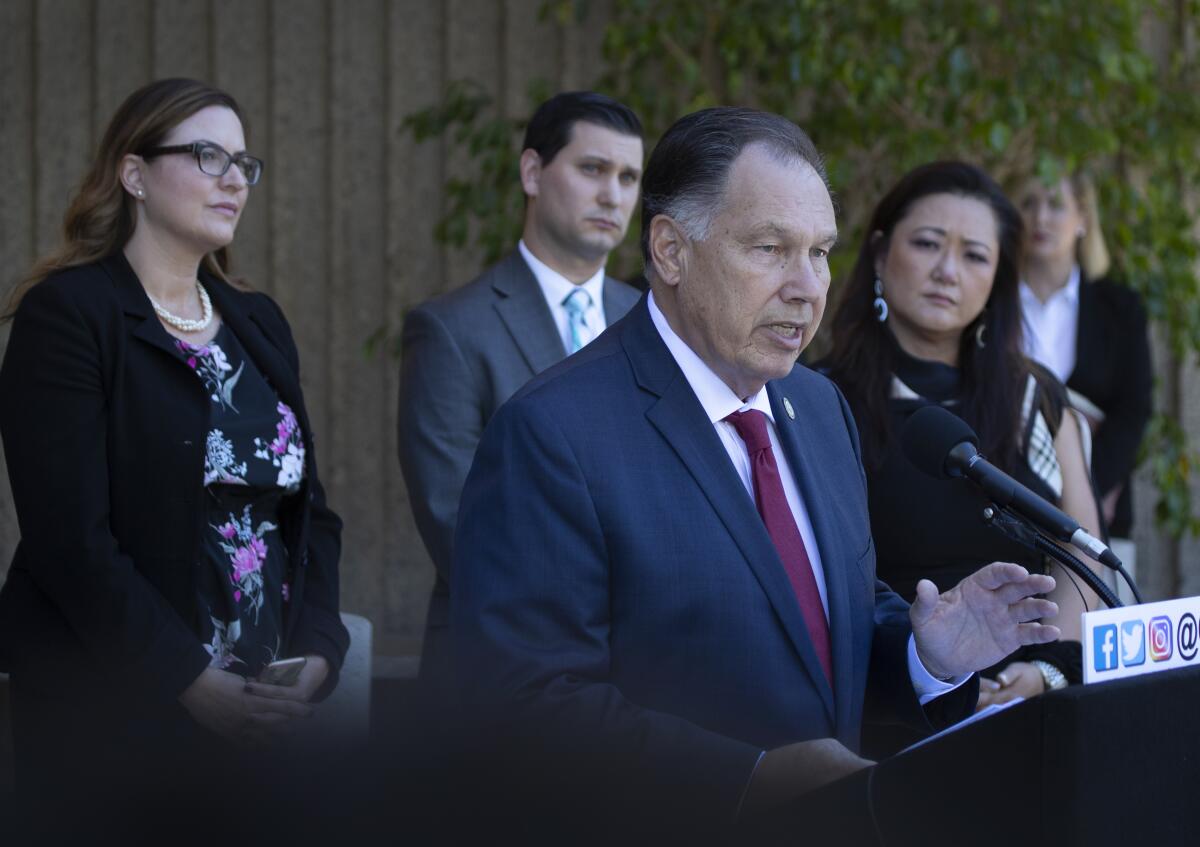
929, 434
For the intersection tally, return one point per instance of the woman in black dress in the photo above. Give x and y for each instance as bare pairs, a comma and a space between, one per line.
1088, 330
174, 535
931, 315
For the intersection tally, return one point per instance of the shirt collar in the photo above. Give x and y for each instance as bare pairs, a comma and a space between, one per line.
1068, 295
714, 395
555, 287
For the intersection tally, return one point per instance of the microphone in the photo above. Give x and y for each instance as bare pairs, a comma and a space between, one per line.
943, 445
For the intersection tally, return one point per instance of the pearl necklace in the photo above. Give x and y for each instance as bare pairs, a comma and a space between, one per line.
184, 324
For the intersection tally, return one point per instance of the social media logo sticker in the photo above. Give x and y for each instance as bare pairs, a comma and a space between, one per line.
1160, 638
1186, 637
1133, 643
1104, 647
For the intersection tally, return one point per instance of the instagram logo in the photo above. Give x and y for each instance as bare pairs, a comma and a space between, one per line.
1160, 638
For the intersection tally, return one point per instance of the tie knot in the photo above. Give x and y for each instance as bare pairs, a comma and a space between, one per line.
751, 425
577, 302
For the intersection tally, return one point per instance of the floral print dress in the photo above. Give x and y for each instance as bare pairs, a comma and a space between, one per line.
254, 458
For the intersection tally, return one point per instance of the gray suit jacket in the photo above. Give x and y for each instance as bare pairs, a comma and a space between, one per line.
463, 355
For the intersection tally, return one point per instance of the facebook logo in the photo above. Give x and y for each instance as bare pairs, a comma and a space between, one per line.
1104, 647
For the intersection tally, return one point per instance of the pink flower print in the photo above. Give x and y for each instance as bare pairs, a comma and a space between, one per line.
227, 531
191, 362
285, 429
237, 596
259, 547
279, 445
245, 562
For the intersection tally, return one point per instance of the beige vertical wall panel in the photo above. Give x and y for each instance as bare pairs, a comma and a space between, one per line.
1187, 573
16, 195
123, 59
298, 192
241, 66
16, 141
356, 450
63, 110
532, 53
181, 38
1158, 555
474, 38
414, 273
582, 47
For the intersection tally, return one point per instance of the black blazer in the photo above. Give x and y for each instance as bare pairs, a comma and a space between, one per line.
104, 430
1113, 370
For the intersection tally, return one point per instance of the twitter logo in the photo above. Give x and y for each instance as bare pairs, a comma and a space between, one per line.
1133, 644
1104, 647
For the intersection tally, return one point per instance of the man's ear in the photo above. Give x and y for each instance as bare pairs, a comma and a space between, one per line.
130, 174
531, 172
670, 249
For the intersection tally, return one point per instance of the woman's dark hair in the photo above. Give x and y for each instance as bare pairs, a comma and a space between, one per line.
993, 377
102, 216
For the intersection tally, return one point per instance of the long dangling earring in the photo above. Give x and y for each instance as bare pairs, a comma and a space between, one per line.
981, 331
881, 306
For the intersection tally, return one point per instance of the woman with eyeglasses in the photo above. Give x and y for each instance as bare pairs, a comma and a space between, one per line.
175, 539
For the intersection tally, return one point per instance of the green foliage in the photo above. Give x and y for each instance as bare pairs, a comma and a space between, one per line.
484, 206
1025, 86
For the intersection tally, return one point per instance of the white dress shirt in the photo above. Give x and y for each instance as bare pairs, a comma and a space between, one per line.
1051, 328
556, 287
718, 401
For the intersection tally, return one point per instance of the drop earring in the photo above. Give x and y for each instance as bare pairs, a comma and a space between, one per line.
881, 306
981, 331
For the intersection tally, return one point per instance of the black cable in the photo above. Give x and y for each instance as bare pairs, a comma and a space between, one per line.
1069, 561
1137, 595
1019, 530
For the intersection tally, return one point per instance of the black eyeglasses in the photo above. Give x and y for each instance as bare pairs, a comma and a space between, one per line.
213, 159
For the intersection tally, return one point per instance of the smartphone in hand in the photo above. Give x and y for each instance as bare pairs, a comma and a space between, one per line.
283, 672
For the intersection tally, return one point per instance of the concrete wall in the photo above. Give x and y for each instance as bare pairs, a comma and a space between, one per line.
339, 231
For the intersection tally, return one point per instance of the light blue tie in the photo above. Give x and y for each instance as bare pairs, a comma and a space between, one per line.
577, 303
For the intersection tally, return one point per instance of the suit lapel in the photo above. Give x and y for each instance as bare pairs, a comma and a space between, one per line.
523, 310
618, 300
1085, 333
136, 305
681, 420
801, 446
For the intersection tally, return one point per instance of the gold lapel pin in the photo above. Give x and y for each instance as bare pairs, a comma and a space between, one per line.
787, 407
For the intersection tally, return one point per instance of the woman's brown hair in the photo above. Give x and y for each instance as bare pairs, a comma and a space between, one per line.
102, 214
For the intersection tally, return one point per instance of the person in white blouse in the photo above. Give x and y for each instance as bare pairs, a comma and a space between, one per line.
1088, 330
464, 353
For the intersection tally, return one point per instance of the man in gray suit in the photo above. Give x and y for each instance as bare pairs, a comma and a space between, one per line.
466, 352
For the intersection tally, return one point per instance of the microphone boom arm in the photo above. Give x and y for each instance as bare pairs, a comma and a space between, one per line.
1024, 533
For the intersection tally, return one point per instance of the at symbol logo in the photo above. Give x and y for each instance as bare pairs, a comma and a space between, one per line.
1187, 637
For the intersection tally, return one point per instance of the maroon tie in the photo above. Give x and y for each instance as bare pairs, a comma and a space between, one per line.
781, 526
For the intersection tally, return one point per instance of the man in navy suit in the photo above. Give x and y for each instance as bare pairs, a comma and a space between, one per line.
664, 575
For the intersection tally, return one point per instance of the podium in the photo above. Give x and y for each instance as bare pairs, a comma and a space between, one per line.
1112, 763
